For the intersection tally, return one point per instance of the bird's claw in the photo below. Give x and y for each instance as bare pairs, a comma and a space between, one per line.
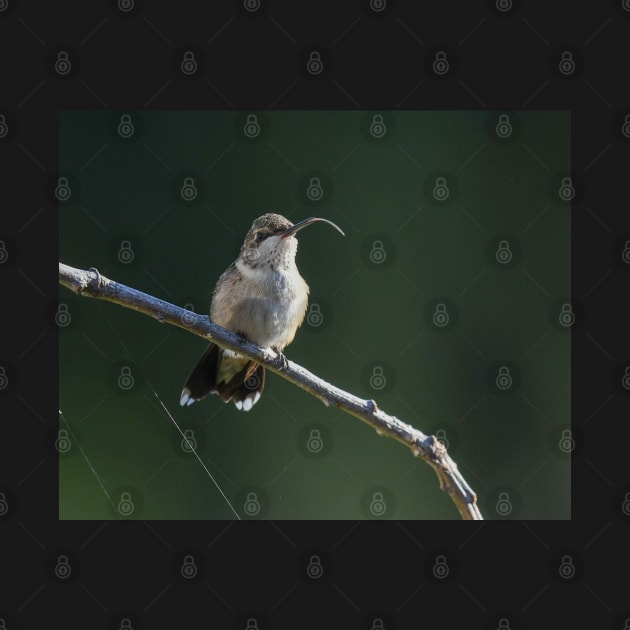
281, 360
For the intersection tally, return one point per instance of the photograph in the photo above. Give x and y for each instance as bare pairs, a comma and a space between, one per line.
404, 270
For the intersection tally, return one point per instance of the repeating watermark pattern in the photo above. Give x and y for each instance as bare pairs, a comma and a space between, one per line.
452, 224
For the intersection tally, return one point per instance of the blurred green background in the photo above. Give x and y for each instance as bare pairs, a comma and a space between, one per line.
446, 302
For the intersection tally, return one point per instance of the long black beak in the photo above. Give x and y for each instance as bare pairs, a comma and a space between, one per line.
302, 224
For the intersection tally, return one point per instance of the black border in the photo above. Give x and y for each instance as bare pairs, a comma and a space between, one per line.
373, 59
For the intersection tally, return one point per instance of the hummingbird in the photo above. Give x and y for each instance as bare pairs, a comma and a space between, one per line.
263, 298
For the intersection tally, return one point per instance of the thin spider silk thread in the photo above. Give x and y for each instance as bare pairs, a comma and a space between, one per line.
193, 450
190, 445
87, 462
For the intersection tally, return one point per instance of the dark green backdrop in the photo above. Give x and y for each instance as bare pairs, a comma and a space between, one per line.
447, 302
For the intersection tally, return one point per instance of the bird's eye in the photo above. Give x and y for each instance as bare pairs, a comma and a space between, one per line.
260, 237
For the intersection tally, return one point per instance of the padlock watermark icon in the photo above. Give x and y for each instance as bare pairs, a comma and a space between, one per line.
125, 624
188, 316
188, 569
4, 127
441, 66
188, 191
126, 381
440, 434
315, 190
253, 381
314, 65
251, 128
63, 65
378, 6
63, 443
63, 192
504, 254
566, 443
314, 443
314, 317
441, 191
566, 570
126, 5
378, 255
503, 127
62, 569
566, 191
314, 569
504, 379
378, 506
566, 65
252, 506
126, 505
441, 318
378, 129
126, 128
125, 254
503, 506
188, 443
378, 380
441, 569
4, 506
188, 65
566, 317
62, 316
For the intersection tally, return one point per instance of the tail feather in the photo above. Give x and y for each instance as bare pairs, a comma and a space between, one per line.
243, 386
247, 393
202, 380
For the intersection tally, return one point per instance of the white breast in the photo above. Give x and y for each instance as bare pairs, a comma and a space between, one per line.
275, 304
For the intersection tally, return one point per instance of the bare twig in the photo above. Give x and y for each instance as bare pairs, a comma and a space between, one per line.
91, 283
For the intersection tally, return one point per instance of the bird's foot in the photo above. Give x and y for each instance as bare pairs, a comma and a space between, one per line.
281, 360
